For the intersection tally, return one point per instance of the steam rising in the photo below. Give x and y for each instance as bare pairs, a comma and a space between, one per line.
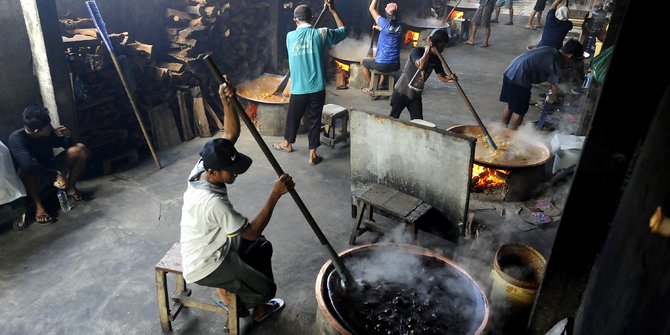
351, 49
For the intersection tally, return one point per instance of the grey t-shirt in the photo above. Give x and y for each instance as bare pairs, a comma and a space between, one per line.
535, 67
402, 86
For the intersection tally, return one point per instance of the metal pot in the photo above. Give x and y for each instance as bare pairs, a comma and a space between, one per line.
535, 154
329, 314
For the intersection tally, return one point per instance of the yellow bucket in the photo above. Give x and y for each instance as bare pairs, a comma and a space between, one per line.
517, 273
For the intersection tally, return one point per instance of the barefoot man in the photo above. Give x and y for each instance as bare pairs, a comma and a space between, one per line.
482, 18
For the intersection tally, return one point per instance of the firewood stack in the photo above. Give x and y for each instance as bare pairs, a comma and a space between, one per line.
106, 122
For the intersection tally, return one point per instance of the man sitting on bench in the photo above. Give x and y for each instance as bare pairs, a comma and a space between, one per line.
219, 246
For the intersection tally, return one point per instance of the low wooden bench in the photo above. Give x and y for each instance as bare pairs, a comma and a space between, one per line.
171, 263
390, 202
329, 117
375, 81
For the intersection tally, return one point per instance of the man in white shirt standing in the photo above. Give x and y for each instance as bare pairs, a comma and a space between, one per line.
219, 246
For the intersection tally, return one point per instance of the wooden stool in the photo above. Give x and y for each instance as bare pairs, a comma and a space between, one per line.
332, 113
181, 297
391, 203
374, 90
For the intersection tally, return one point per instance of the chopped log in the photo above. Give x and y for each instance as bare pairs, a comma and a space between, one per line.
170, 12
199, 113
67, 24
172, 67
92, 32
181, 56
197, 10
190, 42
186, 33
211, 11
121, 38
142, 48
211, 113
163, 126
186, 130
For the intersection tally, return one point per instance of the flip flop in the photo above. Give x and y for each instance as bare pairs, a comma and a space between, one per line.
537, 218
509, 23
279, 147
277, 305
316, 160
217, 299
76, 197
46, 219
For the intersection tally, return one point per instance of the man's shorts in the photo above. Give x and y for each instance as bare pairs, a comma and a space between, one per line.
482, 16
516, 96
507, 3
540, 5
381, 67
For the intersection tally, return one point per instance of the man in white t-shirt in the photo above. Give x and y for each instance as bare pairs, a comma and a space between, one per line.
219, 246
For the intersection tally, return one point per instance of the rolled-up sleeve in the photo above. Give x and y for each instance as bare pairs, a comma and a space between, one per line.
335, 36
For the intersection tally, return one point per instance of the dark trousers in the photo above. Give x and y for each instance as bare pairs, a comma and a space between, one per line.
399, 102
311, 106
247, 272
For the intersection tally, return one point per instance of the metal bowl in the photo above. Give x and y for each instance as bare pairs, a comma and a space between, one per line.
534, 154
261, 90
330, 319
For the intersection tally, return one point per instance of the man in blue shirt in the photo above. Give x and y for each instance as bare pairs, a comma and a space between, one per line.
306, 46
533, 67
387, 58
556, 26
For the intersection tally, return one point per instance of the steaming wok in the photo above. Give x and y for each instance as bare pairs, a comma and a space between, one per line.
261, 90
513, 151
401, 289
351, 50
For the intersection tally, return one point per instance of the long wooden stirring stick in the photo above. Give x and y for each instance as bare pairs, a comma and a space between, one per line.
489, 139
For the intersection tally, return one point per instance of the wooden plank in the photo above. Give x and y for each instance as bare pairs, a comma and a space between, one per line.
163, 126
199, 113
183, 113
186, 33
199, 304
211, 113
170, 12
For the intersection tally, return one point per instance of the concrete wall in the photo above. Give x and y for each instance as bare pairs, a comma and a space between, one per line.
18, 84
428, 163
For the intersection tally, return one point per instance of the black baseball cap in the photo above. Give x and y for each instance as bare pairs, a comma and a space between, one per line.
220, 154
302, 13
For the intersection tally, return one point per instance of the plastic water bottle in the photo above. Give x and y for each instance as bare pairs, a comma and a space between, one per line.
64, 202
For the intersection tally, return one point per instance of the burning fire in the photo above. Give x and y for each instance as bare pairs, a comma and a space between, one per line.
411, 37
456, 15
485, 178
344, 67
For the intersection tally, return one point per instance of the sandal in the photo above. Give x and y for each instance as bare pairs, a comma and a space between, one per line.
76, 196
317, 160
276, 306
279, 147
43, 219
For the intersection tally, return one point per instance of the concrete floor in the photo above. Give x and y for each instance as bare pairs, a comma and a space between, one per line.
92, 271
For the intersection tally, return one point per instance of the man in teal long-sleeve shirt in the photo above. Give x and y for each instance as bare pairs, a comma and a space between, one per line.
306, 46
